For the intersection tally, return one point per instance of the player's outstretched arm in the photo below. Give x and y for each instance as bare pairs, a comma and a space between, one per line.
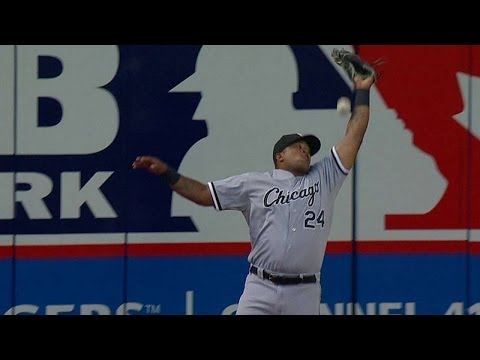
347, 148
191, 189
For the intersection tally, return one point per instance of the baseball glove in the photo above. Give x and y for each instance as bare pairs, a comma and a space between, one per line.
353, 65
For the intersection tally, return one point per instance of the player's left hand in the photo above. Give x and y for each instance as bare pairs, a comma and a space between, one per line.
363, 83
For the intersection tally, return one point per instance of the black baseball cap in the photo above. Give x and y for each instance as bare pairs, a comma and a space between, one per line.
286, 140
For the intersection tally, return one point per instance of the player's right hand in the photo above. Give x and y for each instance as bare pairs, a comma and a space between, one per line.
150, 163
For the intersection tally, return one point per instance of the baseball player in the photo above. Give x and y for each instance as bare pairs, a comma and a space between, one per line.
288, 210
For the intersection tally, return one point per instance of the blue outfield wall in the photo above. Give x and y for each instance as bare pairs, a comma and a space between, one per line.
6, 280
385, 285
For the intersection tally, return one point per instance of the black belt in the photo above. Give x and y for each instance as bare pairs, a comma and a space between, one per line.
283, 279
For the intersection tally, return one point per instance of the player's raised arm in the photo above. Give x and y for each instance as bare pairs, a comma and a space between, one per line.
190, 189
347, 148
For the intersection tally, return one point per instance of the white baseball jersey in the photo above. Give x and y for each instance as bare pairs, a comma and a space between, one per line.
289, 216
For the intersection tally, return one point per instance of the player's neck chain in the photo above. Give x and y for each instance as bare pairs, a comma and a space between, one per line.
276, 196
